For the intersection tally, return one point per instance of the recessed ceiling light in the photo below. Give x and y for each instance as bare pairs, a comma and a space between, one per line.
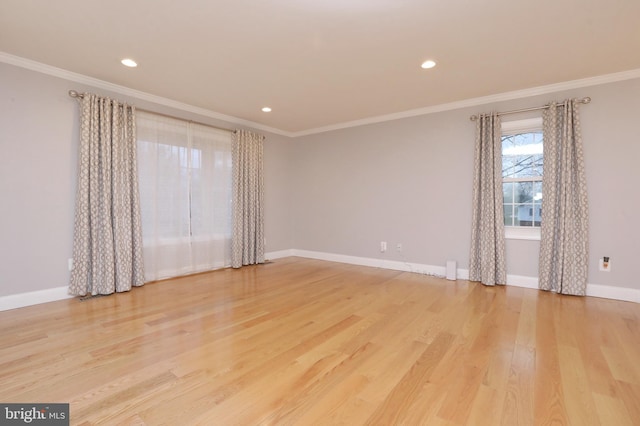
266, 109
129, 63
428, 64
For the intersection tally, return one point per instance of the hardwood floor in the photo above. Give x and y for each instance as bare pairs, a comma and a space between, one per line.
308, 342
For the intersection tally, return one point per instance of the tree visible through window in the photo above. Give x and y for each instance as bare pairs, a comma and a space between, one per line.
522, 167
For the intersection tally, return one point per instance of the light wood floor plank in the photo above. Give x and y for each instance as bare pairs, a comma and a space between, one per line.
612, 411
300, 341
549, 393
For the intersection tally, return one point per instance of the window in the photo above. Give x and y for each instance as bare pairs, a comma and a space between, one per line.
184, 172
522, 169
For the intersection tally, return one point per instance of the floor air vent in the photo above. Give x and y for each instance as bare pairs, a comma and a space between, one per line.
91, 296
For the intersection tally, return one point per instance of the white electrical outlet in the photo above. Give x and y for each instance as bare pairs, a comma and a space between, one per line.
399, 247
383, 246
605, 264
70, 264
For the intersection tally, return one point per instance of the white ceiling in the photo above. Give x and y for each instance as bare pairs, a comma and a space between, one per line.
320, 63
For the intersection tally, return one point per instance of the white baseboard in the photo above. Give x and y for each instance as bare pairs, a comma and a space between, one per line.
278, 254
522, 281
610, 292
595, 290
21, 300
396, 265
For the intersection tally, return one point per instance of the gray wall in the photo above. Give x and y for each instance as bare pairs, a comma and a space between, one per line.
38, 156
408, 181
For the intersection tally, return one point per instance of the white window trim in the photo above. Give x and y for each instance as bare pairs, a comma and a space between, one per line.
522, 233
531, 233
521, 126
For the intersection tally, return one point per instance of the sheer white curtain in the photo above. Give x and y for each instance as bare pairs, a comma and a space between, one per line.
185, 196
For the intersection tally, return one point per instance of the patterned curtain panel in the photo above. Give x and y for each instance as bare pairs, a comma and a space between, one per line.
247, 240
107, 245
564, 231
487, 258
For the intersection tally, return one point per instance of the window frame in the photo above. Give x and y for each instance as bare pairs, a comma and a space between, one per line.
511, 128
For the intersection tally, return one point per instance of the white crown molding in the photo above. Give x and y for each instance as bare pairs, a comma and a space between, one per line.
507, 96
105, 85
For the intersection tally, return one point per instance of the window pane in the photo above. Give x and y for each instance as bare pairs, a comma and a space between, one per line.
537, 208
524, 215
522, 161
537, 192
524, 192
507, 192
508, 214
522, 155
